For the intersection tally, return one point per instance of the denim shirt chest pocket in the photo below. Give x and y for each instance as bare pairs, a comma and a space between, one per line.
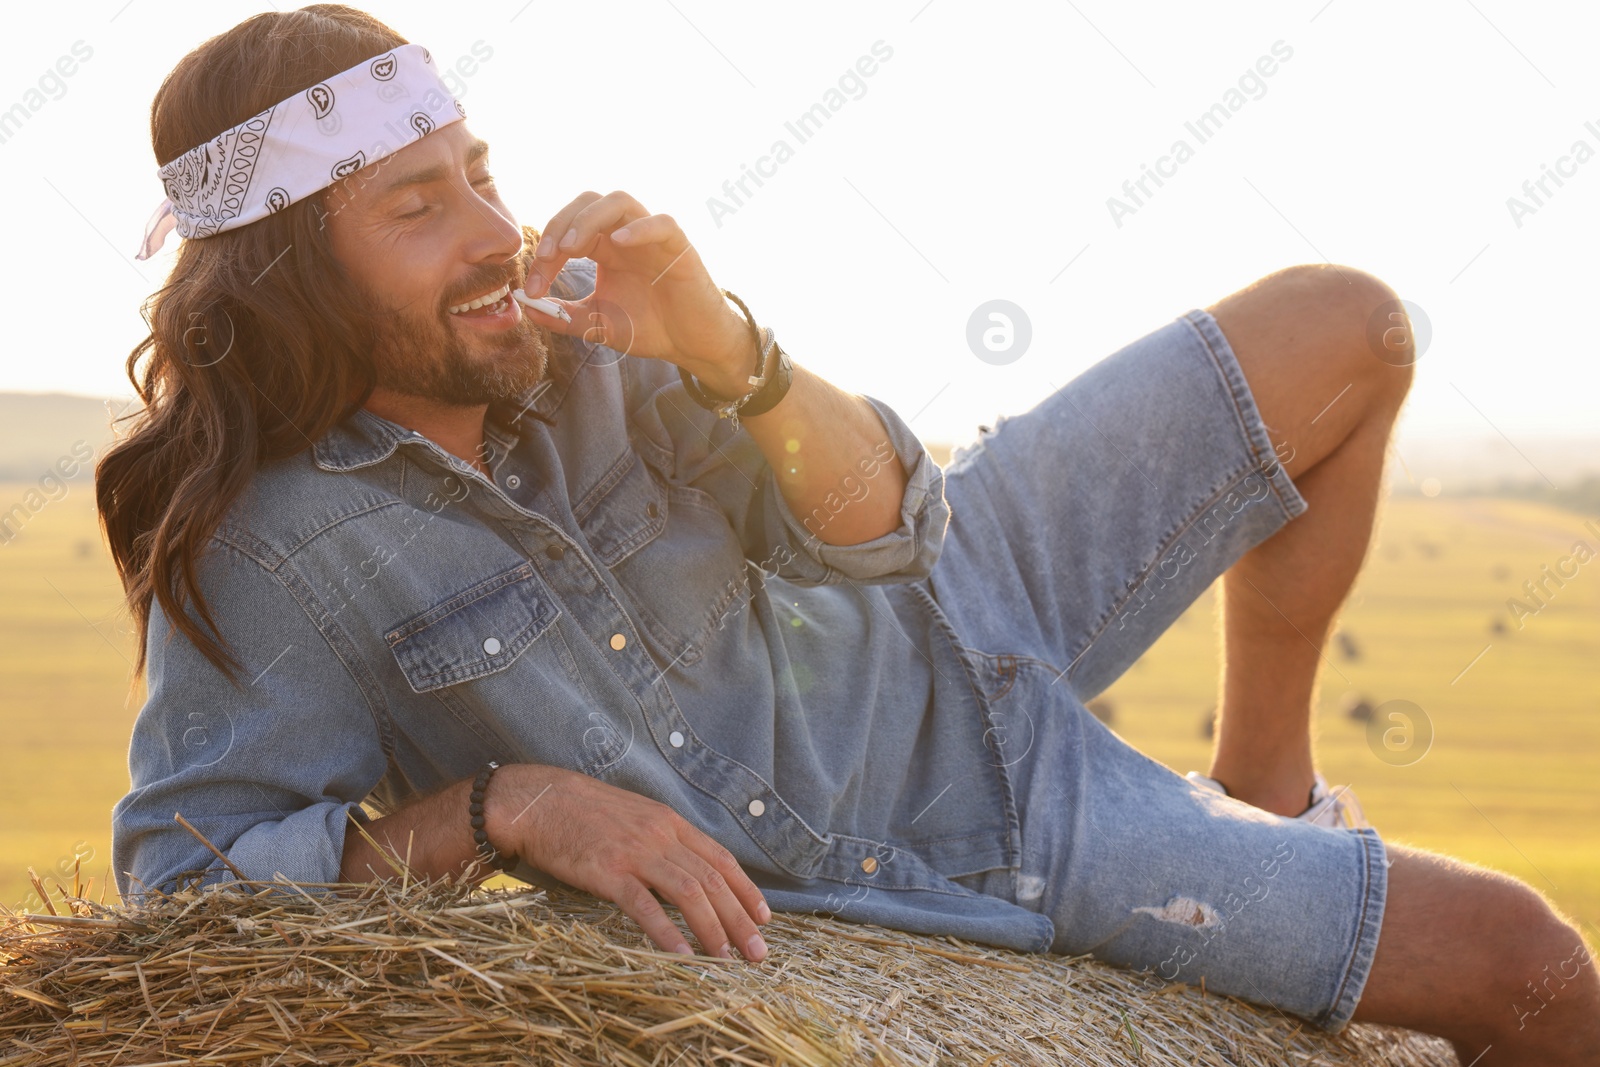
671, 549
477, 632
497, 645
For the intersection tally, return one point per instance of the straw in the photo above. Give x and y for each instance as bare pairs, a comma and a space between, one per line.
406, 972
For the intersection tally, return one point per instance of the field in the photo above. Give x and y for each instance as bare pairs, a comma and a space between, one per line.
1508, 779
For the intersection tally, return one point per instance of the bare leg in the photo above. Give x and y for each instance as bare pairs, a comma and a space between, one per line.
1482, 960
1474, 956
1329, 404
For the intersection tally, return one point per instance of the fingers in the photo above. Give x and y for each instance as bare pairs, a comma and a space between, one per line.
720, 859
652, 229
561, 223
680, 886
576, 230
548, 260
595, 220
720, 920
716, 915
636, 847
640, 905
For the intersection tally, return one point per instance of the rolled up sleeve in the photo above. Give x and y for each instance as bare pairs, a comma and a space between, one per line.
269, 770
697, 448
904, 554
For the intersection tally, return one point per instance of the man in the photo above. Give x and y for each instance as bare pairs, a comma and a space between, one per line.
535, 591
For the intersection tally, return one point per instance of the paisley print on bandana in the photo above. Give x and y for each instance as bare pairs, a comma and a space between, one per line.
304, 143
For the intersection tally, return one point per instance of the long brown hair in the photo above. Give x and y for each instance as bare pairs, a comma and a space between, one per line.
257, 342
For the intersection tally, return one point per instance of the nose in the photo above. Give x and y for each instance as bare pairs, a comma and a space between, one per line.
492, 232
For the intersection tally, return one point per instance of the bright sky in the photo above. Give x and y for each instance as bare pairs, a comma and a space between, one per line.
974, 163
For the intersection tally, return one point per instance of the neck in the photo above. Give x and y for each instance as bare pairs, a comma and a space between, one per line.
458, 430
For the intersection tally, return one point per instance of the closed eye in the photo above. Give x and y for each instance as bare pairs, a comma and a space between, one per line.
487, 179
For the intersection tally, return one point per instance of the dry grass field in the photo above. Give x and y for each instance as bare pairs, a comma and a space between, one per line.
1508, 779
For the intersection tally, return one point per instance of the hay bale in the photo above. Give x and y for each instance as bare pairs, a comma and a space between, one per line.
406, 972
1359, 708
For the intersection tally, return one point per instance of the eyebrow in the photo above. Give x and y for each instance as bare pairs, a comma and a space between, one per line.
435, 173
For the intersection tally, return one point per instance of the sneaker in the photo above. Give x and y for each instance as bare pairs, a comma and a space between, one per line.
1335, 808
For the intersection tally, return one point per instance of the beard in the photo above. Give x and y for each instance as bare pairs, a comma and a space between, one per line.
423, 355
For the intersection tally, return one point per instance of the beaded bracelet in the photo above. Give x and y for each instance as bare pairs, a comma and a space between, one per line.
493, 857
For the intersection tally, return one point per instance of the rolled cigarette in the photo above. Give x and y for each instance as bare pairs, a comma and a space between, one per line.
549, 307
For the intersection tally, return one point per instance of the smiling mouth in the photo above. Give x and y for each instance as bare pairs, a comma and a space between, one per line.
490, 303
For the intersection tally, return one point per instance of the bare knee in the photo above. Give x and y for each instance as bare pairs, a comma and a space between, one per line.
1327, 350
1482, 959
1363, 318
1552, 973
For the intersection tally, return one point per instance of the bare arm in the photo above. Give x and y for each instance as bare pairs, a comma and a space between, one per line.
652, 287
610, 842
839, 445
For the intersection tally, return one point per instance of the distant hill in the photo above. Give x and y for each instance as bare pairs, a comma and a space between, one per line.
1484, 463
1580, 496
1560, 471
37, 429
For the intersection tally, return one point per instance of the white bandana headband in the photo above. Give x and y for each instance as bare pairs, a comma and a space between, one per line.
301, 145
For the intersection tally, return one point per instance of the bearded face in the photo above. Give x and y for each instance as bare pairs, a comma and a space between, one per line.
433, 251
426, 352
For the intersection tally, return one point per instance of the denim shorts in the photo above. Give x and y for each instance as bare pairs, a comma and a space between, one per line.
1079, 531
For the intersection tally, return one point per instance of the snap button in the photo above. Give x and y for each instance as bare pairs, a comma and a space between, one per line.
651, 510
618, 641
869, 865
491, 645
512, 481
756, 807
555, 552
676, 738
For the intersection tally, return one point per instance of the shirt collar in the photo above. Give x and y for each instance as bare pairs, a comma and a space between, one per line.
364, 438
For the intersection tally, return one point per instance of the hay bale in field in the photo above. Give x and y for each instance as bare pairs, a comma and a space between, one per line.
405, 972
1358, 708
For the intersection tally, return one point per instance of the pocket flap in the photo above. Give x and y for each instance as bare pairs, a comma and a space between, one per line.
477, 632
624, 512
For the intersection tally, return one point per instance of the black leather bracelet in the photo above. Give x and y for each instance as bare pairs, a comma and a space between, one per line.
494, 858
773, 385
776, 388
764, 399
705, 397
708, 399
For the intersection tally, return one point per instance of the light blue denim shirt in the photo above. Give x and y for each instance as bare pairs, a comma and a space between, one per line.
402, 618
